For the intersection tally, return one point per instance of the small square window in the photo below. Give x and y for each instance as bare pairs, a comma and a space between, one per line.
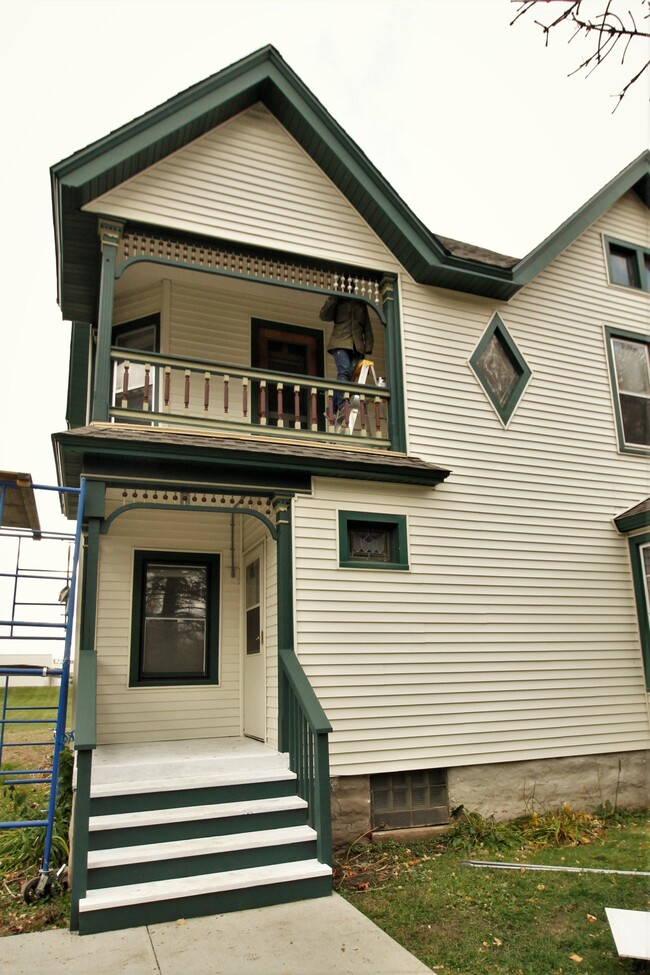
500, 368
174, 635
628, 265
372, 540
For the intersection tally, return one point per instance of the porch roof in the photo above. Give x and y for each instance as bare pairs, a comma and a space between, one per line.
635, 517
267, 458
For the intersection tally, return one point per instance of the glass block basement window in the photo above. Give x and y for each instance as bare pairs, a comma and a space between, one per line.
402, 799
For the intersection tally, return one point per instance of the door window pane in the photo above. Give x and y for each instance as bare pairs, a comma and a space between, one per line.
253, 608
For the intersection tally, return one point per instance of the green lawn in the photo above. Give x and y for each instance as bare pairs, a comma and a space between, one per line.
461, 920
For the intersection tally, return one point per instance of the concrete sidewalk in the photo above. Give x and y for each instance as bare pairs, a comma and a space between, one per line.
324, 936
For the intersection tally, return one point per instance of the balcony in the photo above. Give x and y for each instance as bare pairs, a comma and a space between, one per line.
172, 391
206, 338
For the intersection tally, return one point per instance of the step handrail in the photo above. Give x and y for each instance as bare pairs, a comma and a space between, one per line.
304, 734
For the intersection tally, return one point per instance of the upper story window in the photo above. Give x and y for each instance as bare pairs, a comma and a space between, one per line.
628, 264
500, 368
629, 363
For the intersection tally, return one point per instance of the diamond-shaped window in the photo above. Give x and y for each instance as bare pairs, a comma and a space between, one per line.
500, 368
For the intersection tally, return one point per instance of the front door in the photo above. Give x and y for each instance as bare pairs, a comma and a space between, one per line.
254, 649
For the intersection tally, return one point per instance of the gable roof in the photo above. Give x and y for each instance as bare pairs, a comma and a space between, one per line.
265, 77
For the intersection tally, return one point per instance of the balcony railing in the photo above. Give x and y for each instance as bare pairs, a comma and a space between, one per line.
169, 390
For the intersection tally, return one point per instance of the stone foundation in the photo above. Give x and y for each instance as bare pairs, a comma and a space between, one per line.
506, 790
350, 810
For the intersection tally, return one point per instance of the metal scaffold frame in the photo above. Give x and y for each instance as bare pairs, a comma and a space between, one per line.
27, 527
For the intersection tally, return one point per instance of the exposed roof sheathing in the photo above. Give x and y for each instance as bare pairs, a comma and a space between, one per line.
19, 508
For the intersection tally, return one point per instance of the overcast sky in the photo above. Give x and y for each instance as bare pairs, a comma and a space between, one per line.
473, 122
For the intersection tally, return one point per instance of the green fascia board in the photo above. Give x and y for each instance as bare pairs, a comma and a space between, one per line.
634, 522
636, 177
265, 76
78, 374
72, 451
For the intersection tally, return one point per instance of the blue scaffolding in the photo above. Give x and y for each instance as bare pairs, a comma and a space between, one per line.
19, 520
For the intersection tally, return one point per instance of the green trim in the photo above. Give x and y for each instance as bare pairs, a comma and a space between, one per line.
155, 506
634, 522
633, 177
283, 508
619, 333
366, 519
265, 77
261, 77
496, 327
233, 461
254, 278
237, 899
640, 256
212, 564
394, 365
102, 385
637, 544
76, 412
80, 834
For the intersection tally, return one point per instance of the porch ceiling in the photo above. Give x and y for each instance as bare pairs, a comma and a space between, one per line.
286, 464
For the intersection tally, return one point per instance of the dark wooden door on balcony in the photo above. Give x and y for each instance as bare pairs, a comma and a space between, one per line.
290, 350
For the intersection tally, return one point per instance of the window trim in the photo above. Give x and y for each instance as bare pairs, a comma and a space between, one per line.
619, 333
400, 540
213, 564
640, 254
505, 412
642, 597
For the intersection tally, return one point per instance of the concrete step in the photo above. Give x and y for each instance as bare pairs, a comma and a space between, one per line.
177, 781
112, 908
175, 858
190, 822
201, 846
164, 890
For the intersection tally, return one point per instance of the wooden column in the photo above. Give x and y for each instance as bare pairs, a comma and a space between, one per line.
110, 234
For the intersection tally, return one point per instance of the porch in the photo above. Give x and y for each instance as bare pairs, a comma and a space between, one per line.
182, 829
202, 336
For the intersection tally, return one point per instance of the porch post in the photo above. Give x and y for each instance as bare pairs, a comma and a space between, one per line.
395, 366
285, 606
85, 698
110, 233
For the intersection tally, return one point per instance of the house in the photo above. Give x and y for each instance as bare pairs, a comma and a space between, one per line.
440, 601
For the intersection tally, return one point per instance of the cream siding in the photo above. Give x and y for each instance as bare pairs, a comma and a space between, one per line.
124, 713
514, 634
249, 181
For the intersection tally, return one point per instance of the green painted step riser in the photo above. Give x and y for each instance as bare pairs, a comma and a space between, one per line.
170, 799
110, 839
172, 869
224, 902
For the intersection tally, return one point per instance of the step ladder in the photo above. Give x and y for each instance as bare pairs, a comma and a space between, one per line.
364, 368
